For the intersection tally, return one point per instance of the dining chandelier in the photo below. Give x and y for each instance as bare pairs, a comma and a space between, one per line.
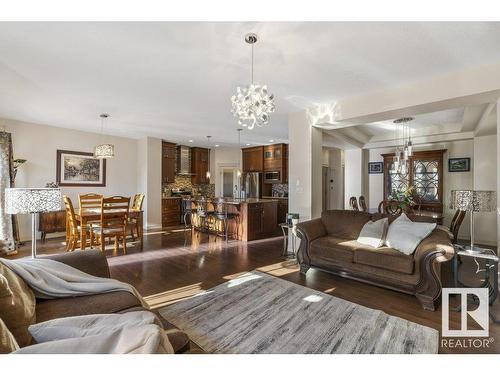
253, 104
404, 150
104, 150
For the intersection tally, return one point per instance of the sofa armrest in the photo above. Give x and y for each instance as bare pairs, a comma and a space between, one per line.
308, 231
432, 251
90, 261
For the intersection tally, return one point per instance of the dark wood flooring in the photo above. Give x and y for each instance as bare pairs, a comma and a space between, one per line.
174, 265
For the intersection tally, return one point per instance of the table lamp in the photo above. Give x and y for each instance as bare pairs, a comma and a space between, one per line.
32, 201
473, 201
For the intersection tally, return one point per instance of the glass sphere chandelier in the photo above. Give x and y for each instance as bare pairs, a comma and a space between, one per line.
104, 150
405, 150
253, 104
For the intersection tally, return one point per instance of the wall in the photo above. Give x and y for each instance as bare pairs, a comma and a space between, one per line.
305, 163
149, 171
38, 144
454, 180
337, 175
485, 178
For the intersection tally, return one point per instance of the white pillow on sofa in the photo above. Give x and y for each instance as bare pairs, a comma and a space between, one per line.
373, 233
404, 235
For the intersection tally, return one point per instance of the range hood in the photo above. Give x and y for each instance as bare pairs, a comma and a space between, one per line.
184, 161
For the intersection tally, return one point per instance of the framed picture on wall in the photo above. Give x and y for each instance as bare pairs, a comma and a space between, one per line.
76, 168
375, 167
459, 165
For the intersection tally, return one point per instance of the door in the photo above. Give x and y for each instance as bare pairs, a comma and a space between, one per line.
229, 186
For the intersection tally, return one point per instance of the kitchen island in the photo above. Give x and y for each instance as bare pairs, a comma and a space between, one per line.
257, 218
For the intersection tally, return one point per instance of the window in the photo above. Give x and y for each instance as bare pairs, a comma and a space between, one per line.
425, 175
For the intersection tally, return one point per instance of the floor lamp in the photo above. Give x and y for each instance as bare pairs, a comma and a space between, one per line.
473, 201
32, 201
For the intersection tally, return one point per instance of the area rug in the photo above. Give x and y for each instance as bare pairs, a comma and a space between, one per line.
259, 313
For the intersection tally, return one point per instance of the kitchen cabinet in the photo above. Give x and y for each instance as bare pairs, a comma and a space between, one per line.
199, 165
276, 164
253, 159
258, 219
170, 211
168, 162
282, 209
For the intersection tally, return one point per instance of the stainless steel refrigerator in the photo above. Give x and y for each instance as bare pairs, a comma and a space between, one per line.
251, 184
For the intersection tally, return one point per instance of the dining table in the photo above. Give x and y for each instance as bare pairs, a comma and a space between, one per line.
83, 217
436, 216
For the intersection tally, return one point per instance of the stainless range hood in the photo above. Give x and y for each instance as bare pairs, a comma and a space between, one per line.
184, 161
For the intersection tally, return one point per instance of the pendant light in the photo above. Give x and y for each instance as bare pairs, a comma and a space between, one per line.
252, 105
208, 170
238, 171
104, 150
405, 151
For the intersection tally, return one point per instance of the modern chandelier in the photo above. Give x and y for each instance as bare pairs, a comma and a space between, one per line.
105, 150
252, 105
404, 150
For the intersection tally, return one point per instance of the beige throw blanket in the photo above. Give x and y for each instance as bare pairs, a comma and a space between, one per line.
50, 279
128, 333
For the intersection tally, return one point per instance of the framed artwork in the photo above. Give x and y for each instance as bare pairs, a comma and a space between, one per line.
376, 167
459, 165
80, 169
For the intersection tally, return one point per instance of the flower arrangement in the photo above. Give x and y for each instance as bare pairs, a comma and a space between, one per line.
404, 197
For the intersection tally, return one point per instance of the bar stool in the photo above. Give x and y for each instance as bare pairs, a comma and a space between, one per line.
221, 215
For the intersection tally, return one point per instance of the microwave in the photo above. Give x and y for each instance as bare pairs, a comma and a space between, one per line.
272, 177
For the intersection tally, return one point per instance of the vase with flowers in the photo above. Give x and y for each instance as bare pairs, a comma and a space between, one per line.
404, 198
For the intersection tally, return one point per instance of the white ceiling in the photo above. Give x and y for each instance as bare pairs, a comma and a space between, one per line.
174, 80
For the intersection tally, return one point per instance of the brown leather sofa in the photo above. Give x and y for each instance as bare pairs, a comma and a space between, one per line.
94, 262
329, 243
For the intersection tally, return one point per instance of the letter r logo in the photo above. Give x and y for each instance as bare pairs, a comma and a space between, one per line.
480, 315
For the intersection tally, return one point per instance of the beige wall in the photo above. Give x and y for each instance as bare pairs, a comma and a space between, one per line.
224, 157
38, 144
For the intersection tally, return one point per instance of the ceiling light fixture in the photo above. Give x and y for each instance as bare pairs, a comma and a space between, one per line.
104, 150
405, 150
238, 171
252, 104
190, 141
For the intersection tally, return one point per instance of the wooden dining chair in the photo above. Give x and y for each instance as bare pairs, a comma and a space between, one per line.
456, 222
88, 202
133, 222
390, 207
114, 220
353, 204
362, 203
73, 229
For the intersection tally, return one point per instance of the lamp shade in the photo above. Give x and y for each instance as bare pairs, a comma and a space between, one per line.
104, 151
473, 200
32, 200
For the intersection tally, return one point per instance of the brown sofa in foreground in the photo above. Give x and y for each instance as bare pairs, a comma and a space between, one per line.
329, 244
94, 262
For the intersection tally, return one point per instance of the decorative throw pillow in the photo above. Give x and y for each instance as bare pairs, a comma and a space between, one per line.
404, 235
373, 233
17, 305
8, 343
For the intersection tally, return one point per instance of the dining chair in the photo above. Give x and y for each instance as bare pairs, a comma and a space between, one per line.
133, 222
362, 203
353, 204
73, 231
390, 207
90, 201
456, 222
113, 223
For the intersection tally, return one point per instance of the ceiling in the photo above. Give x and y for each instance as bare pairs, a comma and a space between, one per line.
173, 80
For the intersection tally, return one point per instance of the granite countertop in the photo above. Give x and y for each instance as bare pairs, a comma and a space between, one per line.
251, 200
268, 197
164, 197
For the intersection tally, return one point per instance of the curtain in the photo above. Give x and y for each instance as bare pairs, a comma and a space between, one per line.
6, 181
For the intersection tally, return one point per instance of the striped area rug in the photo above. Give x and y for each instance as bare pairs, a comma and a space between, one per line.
259, 313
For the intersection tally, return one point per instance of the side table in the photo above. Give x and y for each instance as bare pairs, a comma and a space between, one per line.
490, 259
288, 229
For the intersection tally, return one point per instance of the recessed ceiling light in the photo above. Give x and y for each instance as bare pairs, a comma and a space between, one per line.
248, 144
271, 140
190, 141
216, 145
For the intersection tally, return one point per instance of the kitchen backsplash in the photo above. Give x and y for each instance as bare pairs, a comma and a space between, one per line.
280, 190
184, 183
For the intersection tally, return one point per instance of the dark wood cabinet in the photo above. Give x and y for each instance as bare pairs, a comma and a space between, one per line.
276, 163
253, 159
170, 211
260, 220
200, 159
168, 162
51, 222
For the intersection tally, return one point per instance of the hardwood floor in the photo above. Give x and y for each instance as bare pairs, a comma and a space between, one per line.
173, 266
